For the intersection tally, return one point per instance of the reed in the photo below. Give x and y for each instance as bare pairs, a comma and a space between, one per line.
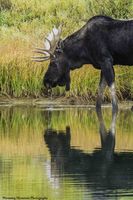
23, 25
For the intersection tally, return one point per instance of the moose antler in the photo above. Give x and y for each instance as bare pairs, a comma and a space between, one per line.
50, 45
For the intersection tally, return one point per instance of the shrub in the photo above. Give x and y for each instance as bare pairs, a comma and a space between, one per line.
5, 5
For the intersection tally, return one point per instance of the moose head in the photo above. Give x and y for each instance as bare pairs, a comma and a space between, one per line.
58, 72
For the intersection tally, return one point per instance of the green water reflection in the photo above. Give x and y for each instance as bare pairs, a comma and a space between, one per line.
55, 153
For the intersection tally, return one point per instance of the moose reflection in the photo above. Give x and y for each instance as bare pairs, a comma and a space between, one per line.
104, 171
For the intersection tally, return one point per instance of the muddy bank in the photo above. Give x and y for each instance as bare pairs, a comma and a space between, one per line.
45, 101
58, 102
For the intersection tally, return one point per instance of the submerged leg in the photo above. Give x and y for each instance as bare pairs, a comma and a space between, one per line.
102, 86
107, 136
109, 74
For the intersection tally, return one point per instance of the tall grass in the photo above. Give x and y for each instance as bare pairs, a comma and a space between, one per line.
23, 25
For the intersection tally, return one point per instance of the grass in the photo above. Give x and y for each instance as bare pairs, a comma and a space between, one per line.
23, 25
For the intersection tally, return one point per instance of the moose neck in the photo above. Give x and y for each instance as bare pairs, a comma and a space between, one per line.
75, 49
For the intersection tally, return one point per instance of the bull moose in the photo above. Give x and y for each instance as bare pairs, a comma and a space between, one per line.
102, 42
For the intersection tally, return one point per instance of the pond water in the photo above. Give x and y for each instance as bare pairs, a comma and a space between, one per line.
65, 153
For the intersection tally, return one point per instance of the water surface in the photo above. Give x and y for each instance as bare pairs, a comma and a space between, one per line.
65, 153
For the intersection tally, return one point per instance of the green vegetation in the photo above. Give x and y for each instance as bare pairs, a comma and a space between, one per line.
23, 25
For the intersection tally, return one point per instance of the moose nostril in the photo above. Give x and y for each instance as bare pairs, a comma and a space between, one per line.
47, 80
48, 86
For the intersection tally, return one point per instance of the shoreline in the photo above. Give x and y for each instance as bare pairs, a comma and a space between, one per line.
58, 103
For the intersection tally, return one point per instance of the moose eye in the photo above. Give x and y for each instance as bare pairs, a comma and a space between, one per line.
58, 50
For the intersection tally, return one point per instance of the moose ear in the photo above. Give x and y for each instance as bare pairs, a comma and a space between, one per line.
61, 43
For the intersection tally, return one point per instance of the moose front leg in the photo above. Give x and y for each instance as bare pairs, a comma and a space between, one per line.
109, 75
102, 86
